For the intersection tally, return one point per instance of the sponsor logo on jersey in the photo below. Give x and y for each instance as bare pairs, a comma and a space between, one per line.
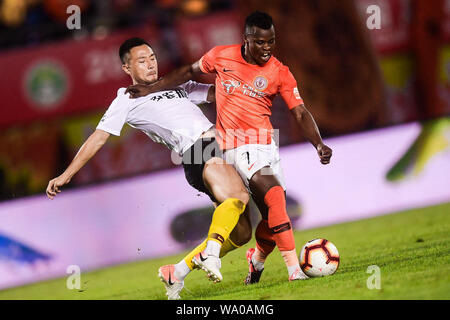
252, 92
230, 85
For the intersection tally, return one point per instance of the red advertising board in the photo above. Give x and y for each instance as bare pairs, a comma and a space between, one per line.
66, 77
199, 35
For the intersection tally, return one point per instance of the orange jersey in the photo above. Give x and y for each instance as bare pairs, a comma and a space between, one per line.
244, 95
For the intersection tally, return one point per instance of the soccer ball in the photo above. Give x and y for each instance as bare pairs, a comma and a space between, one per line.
318, 258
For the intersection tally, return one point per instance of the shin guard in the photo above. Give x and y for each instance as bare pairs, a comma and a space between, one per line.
278, 219
224, 219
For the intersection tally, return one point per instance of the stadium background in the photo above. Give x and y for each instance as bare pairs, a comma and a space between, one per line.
380, 98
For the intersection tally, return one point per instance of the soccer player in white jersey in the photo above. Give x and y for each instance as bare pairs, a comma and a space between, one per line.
171, 118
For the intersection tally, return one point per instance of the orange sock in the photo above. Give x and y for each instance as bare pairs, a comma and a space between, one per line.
278, 219
264, 240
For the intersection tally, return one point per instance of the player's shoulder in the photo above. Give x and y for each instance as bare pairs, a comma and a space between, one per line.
121, 92
226, 50
280, 70
277, 64
122, 98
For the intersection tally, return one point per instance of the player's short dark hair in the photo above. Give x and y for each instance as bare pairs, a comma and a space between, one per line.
258, 19
127, 45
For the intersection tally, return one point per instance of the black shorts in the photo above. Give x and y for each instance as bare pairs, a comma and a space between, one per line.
194, 160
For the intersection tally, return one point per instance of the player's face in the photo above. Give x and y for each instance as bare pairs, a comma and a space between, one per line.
260, 45
142, 65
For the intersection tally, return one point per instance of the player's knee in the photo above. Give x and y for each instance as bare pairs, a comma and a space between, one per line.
224, 183
243, 196
236, 202
237, 190
238, 193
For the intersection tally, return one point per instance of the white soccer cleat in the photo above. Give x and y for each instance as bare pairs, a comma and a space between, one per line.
172, 284
298, 275
210, 264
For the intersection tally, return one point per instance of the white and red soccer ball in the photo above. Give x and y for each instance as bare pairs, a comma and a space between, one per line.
318, 258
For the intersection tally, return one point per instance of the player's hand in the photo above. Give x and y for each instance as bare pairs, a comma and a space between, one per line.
138, 90
54, 185
324, 153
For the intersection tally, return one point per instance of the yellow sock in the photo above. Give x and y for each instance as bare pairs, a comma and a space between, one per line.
227, 246
224, 219
190, 255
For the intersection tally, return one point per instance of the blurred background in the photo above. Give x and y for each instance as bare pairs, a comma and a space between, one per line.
56, 83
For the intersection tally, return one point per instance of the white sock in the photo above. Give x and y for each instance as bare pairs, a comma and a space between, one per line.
293, 268
257, 264
181, 270
213, 248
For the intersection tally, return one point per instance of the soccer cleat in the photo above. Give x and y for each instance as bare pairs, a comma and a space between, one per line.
253, 274
172, 284
298, 275
210, 264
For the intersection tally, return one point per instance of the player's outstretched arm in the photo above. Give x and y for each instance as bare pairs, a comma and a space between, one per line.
172, 79
311, 132
95, 141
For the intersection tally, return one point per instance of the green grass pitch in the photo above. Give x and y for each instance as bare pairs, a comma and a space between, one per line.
411, 248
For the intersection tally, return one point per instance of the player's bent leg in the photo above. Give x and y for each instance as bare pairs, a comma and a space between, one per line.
278, 219
266, 187
223, 181
227, 187
257, 256
241, 234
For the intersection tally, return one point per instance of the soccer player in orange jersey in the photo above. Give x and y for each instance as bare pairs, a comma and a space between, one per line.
248, 77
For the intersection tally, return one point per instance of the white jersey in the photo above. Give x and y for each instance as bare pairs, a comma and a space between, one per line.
169, 117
